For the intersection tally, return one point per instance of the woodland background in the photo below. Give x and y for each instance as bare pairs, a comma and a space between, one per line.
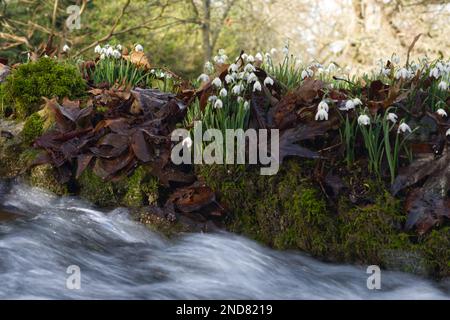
183, 34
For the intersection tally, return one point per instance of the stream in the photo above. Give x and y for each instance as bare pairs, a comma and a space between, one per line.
41, 235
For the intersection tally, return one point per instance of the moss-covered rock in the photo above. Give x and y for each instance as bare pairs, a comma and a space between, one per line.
33, 128
43, 176
28, 83
141, 189
436, 248
96, 190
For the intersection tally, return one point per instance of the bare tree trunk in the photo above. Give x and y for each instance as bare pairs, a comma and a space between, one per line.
206, 30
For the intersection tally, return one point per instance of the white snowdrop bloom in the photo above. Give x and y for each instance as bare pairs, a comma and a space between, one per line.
240, 99
307, 73
259, 57
441, 112
268, 81
250, 59
119, 47
218, 104
440, 66
66, 48
448, 132
208, 67
187, 142
363, 120
107, 46
285, 51
249, 68
233, 67
102, 56
395, 59
392, 117
323, 106
153, 72
403, 127
273, 51
236, 90
212, 98
203, 77
116, 54
217, 82
98, 49
385, 71
246, 105
357, 102
331, 68
434, 73
252, 78
223, 93
241, 75
349, 105
229, 78
443, 86
244, 56
139, 48
403, 73
110, 52
321, 114
257, 86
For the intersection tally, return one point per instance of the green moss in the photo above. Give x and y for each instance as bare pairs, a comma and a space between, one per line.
369, 230
43, 176
436, 247
33, 128
96, 190
27, 84
141, 189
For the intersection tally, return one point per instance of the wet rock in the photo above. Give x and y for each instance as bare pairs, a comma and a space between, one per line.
43, 176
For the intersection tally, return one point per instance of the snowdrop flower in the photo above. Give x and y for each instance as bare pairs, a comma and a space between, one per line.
448, 132
363, 120
66, 48
98, 49
250, 59
244, 56
116, 54
102, 56
403, 127
252, 78
321, 114
187, 142
203, 77
434, 73
223, 93
233, 67
257, 86
217, 82
273, 51
268, 81
349, 105
323, 106
119, 47
357, 102
443, 86
236, 89
403, 73
385, 71
331, 68
109, 52
392, 117
259, 57
307, 73
229, 78
240, 99
247, 106
285, 51
139, 48
441, 112
212, 98
218, 104
209, 68
249, 68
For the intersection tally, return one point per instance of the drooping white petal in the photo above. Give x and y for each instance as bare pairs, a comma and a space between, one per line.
363, 120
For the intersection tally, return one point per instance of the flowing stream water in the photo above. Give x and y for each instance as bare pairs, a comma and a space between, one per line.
42, 235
